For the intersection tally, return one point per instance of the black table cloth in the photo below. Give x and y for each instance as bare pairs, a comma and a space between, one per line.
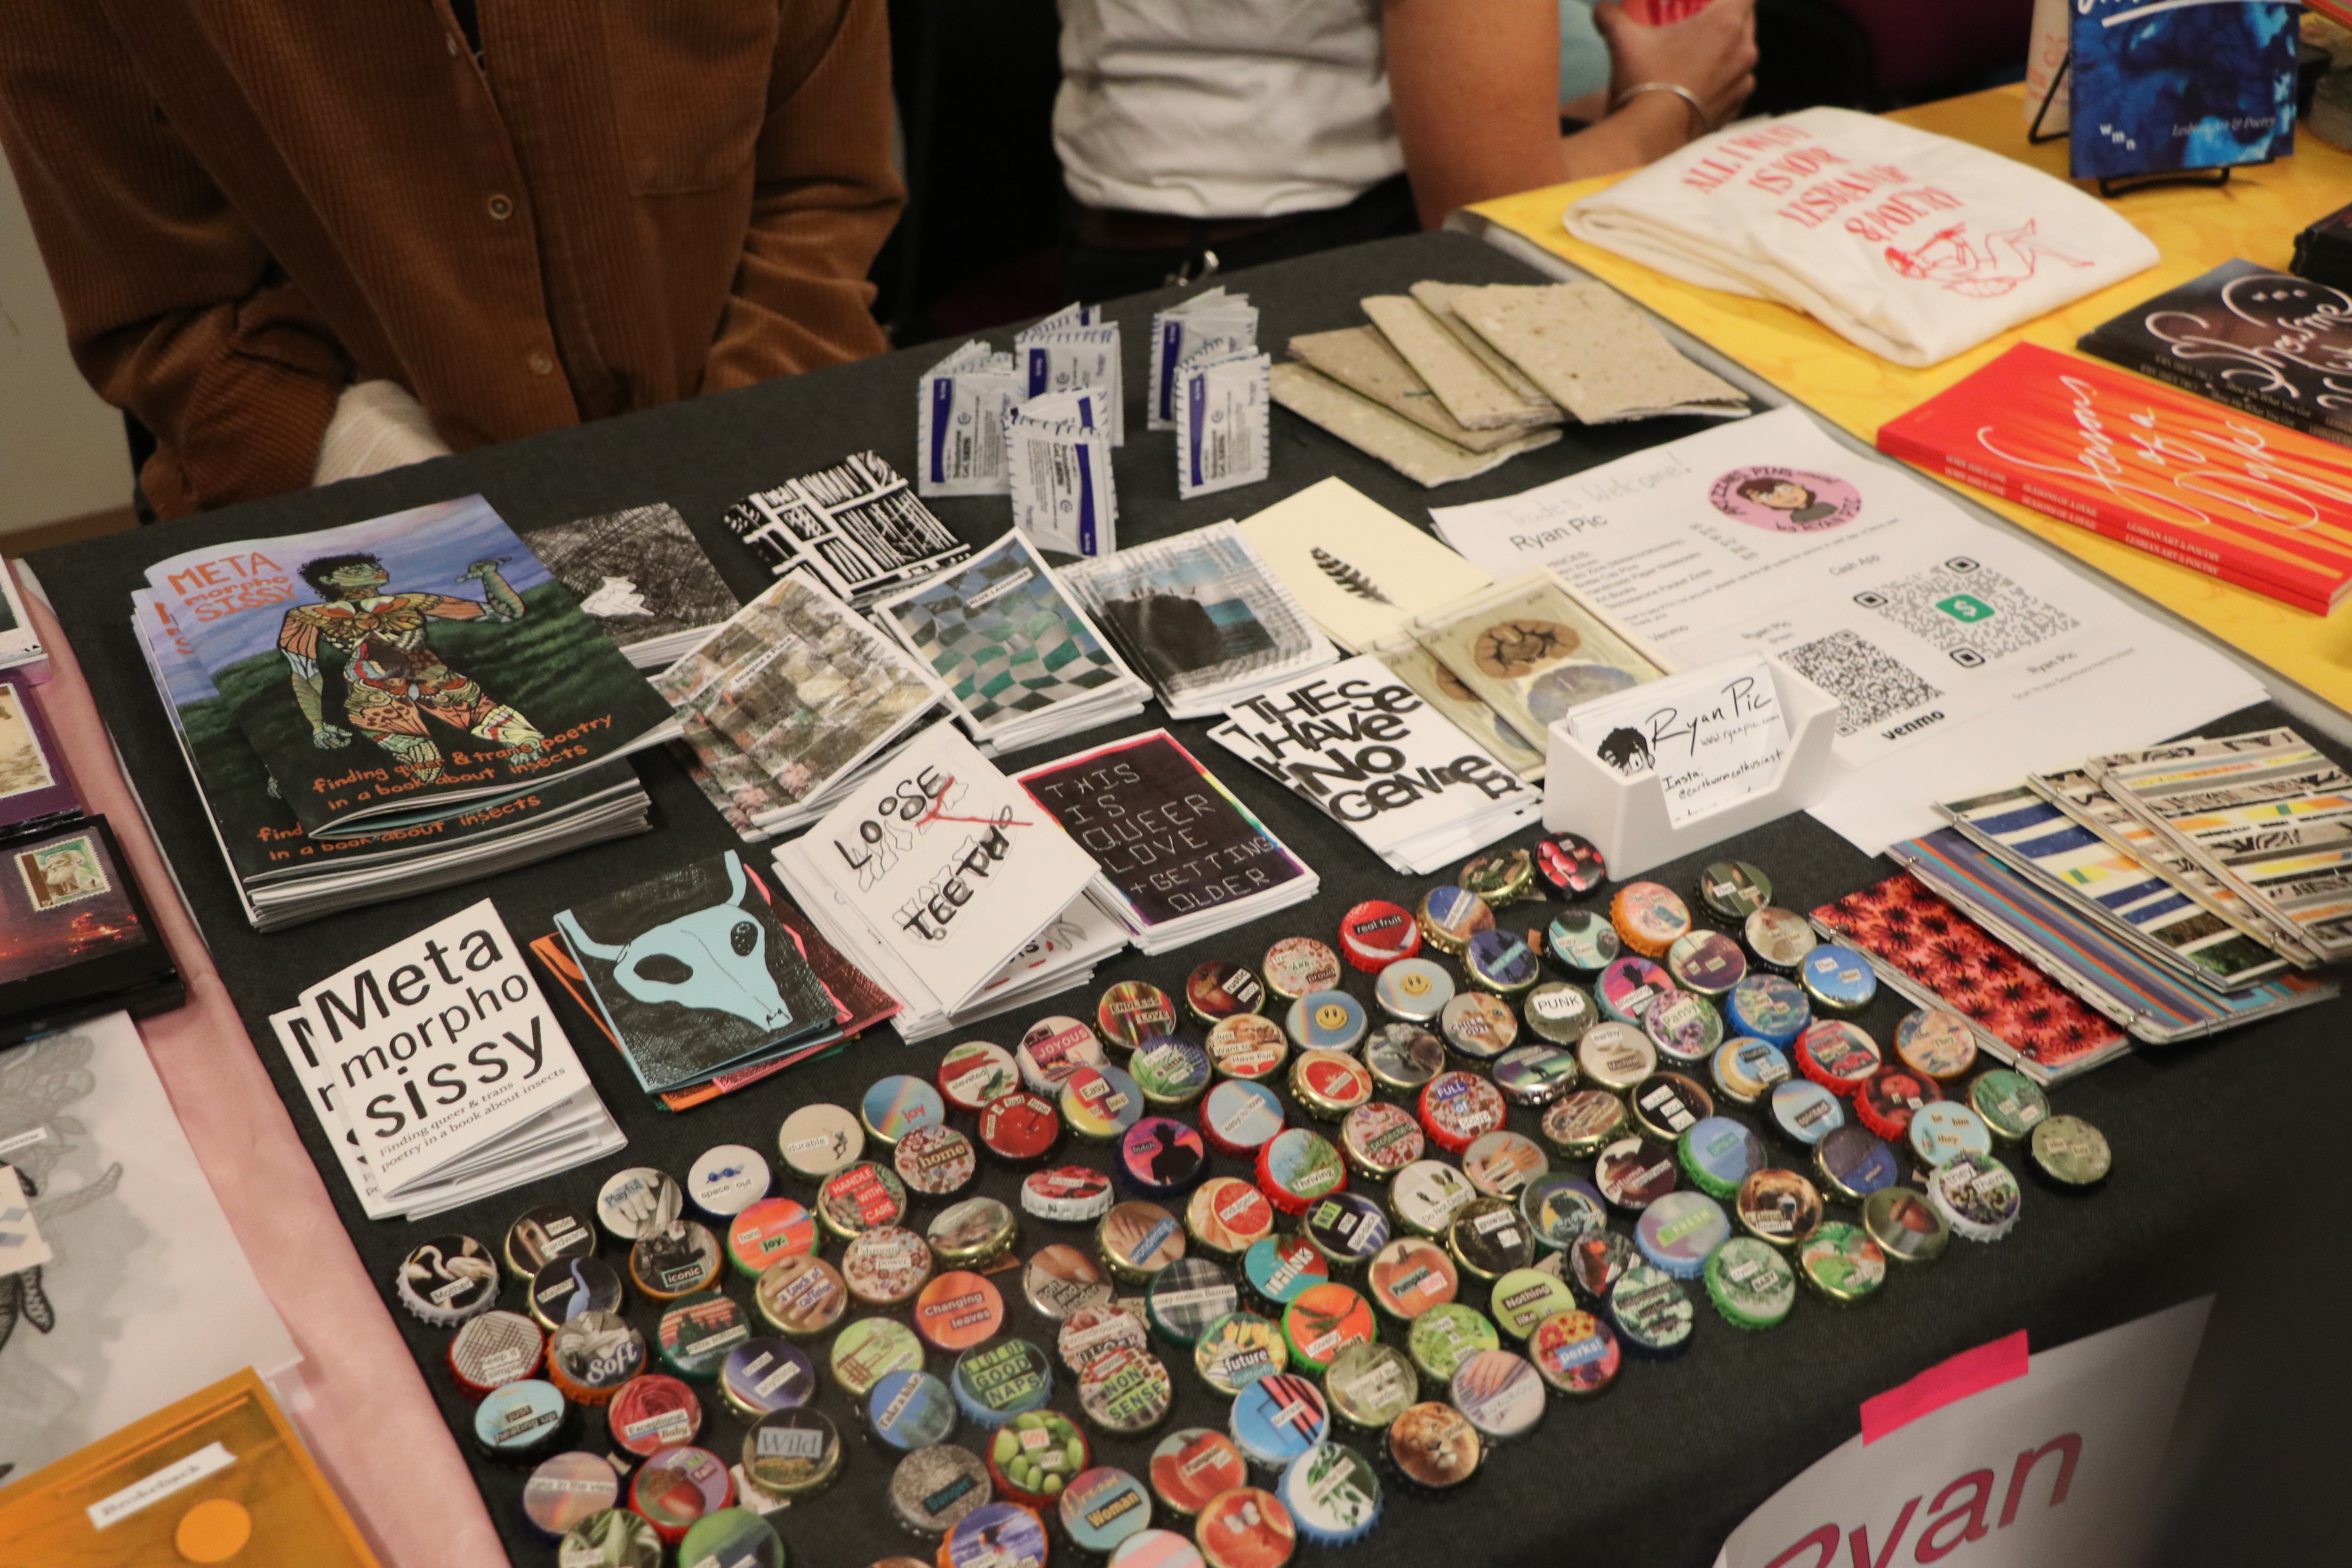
1659, 1469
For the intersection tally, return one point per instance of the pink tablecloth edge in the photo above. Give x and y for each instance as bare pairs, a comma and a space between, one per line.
370, 1423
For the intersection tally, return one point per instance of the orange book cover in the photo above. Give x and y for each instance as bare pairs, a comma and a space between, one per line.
218, 1477
2192, 481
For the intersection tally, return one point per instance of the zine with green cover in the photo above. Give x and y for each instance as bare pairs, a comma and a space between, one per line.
399, 667
1003, 635
694, 973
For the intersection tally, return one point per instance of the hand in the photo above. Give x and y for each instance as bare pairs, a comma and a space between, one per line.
1713, 54
329, 737
486, 569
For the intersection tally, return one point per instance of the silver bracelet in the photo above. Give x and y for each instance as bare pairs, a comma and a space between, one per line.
1690, 102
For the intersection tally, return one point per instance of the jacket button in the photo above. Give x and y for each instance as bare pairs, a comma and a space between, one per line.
501, 207
541, 364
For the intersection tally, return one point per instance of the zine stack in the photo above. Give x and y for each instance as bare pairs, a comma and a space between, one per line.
639, 575
2151, 887
941, 879
436, 627
1209, 384
439, 1074
1363, 573
1204, 617
1361, 746
696, 980
1181, 858
1455, 380
789, 703
1022, 662
854, 529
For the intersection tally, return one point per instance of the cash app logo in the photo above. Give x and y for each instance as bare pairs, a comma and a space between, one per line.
1964, 609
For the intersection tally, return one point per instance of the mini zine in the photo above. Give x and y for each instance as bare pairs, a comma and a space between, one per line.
439, 1073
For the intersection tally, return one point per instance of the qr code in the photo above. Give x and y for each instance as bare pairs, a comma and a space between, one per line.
1861, 675
1969, 610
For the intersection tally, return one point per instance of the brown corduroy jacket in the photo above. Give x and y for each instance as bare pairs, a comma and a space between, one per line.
247, 205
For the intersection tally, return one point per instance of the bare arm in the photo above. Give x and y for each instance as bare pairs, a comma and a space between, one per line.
1476, 86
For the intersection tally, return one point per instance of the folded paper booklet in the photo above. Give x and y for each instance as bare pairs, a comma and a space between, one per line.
961, 404
2150, 1000
1594, 353
1438, 299
1712, 736
1074, 350
438, 1072
1361, 746
1021, 661
639, 575
1222, 434
2267, 813
694, 976
1362, 359
1411, 449
1203, 616
940, 864
1213, 321
1469, 387
1362, 571
2140, 903
1181, 858
855, 530
284, 875
802, 689
1057, 451
1533, 651
406, 666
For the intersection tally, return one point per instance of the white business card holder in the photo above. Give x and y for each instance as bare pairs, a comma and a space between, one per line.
1626, 817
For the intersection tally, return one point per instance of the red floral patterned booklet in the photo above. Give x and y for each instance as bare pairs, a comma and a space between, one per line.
1928, 949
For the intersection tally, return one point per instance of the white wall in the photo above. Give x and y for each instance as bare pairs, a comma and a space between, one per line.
61, 449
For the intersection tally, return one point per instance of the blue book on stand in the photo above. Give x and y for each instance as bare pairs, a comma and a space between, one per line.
2163, 86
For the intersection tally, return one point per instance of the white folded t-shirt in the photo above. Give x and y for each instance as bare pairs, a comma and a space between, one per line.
1912, 244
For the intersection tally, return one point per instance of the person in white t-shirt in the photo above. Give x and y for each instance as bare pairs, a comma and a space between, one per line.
1205, 134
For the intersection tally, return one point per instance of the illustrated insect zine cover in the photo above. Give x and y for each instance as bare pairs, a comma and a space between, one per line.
406, 663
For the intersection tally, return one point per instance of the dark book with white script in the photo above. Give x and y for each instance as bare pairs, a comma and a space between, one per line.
2268, 342
1172, 840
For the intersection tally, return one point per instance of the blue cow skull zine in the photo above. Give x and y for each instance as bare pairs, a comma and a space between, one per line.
694, 973
713, 959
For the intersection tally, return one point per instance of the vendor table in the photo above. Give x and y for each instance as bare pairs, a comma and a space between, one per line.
1656, 1472
2254, 217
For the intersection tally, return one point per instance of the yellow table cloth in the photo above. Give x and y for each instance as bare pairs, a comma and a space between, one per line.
2256, 217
